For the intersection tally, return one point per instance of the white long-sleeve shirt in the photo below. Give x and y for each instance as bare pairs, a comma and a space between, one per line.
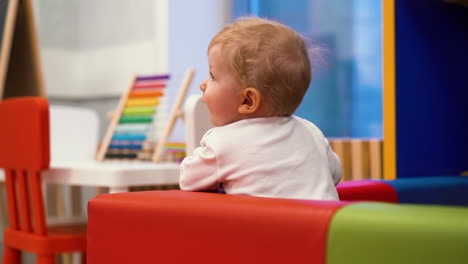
283, 157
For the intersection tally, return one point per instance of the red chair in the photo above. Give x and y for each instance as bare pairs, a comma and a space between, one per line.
367, 190
197, 227
24, 153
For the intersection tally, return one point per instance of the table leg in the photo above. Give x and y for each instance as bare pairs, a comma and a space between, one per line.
75, 200
101, 190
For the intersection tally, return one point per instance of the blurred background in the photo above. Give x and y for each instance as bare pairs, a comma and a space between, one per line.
91, 49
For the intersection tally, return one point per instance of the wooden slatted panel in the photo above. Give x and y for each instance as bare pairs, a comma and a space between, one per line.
361, 158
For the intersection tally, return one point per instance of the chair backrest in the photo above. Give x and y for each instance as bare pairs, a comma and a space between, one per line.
197, 121
74, 134
24, 153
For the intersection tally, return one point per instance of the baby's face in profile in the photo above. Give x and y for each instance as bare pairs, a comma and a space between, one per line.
222, 91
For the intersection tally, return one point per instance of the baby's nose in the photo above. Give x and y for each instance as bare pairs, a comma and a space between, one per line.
203, 86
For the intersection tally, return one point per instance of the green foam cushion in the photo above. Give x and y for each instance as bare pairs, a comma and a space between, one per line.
388, 233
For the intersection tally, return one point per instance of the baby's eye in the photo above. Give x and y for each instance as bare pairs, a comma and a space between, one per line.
212, 76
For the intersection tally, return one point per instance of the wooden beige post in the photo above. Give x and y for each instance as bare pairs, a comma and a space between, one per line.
175, 114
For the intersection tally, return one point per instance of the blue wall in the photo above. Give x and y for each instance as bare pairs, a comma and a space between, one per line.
431, 88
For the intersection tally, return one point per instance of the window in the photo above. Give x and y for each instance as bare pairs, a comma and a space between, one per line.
345, 97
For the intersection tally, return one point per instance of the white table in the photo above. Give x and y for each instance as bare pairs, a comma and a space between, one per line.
118, 176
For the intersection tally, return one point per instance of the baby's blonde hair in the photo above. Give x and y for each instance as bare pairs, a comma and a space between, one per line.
270, 57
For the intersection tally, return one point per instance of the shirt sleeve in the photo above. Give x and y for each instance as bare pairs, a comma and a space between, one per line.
335, 165
198, 171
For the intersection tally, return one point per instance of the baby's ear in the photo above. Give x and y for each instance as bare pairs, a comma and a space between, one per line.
251, 100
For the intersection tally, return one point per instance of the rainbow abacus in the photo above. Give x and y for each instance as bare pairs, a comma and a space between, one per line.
128, 134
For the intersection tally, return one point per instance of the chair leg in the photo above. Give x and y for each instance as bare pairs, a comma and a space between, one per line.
11, 256
66, 258
3, 208
49, 259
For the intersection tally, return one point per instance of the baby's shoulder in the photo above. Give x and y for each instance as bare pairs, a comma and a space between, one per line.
232, 135
227, 133
308, 125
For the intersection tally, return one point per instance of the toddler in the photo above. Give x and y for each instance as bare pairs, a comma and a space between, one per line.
259, 73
